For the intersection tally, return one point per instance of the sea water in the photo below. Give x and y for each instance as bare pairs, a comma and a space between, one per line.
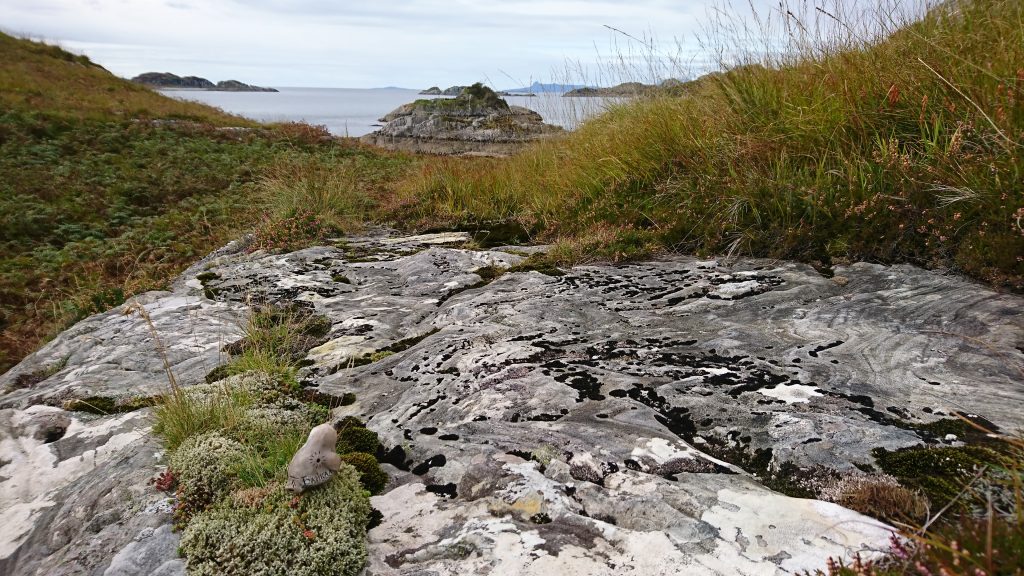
355, 112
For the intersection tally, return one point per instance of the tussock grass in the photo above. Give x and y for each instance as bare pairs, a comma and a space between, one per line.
892, 141
182, 414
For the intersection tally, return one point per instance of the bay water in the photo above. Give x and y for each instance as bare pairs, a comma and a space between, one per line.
355, 111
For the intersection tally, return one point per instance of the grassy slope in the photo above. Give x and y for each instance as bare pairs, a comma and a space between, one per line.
908, 150
43, 78
102, 198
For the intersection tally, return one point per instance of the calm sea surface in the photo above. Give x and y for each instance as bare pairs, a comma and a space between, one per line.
354, 112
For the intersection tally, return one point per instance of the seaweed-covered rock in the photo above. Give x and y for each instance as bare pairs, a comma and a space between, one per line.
320, 533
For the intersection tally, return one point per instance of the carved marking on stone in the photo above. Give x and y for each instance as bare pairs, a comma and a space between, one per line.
316, 462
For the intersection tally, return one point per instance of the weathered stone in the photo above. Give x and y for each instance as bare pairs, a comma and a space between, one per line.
316, 461
635, 419
69, 505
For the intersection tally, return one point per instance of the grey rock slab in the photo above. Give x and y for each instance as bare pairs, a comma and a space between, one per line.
614, 419
153, 551
120, 354
71, 503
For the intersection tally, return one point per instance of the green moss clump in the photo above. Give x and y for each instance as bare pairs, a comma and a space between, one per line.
104, 405
219, 373
320, 533
940, 473
357, 439
204, 467
370, 474
207, 276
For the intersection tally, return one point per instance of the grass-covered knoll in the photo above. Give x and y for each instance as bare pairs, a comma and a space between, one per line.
906, 149
95, 210
40, 77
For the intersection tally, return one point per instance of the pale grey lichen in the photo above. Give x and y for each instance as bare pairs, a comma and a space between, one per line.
203, 466
319, 533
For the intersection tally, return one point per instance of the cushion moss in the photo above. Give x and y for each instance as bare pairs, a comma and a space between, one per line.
320, 533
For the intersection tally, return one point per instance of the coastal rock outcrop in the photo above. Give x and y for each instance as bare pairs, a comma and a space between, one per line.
650, 418
478, 121
166, 80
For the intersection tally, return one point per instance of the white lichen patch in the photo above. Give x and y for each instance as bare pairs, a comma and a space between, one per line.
791, 393
340, 349
806, 531
33, 472
430, 239
733, 290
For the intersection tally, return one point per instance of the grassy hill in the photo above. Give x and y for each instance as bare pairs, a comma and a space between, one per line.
108, 189
38, 77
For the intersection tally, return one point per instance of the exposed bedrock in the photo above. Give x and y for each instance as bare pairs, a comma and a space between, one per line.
612, 420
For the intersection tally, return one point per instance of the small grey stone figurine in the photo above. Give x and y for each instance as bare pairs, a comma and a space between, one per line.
316, 462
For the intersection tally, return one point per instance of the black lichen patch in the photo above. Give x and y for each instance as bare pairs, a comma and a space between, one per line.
433, 462
448, 437
814, 353
376, 519
340, 278
395, 456
540, 518
449, 490
588, 386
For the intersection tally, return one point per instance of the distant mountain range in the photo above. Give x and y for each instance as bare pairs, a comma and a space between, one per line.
539, 87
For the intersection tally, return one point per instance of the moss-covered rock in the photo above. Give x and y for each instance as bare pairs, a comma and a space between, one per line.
204, 467
320, 533
370, 474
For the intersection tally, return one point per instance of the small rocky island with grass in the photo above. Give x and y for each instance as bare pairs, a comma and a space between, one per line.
477, 121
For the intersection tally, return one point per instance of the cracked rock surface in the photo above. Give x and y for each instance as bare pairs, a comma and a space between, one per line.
611, 420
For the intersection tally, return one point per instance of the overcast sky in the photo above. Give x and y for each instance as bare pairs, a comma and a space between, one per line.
363, 44
346, 43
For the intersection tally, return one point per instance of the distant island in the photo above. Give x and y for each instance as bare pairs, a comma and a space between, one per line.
450, 91
168, 81
627, 89
531, 90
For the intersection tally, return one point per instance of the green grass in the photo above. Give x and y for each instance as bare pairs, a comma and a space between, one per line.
902, 150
